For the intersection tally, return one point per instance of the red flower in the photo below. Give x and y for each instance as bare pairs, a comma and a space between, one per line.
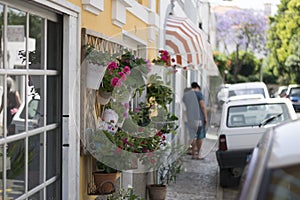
159, 133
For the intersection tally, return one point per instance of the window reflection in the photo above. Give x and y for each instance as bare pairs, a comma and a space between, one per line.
36, 37
285, 183
16, 173
16, 34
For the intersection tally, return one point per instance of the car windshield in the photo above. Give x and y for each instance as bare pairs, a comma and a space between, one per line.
295, 92
254, 115
246, 91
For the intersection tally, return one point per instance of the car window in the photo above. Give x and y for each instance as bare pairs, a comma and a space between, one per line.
284, 183
246, 91
295, 92
253, 115
33, 109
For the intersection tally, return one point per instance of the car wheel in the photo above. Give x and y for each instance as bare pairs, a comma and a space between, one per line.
229, 177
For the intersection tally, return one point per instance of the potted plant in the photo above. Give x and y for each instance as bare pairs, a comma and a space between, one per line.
119, 69
105, 178
163, 176
96, 62
125, 194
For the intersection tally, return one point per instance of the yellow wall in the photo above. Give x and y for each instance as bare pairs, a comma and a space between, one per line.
103, 24
144, 3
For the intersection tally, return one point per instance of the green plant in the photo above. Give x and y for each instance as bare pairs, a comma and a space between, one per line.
103, 168
163, 58
168, 174
119, 68
124, 194
92, 55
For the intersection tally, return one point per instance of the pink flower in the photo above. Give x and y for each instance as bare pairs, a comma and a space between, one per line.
126, 70
140, 129
122, 75
150, 154
164, 58
137, 109
166, 53
112, 65
145, 150
126, 105
125, 115
115, 82
119, 150
125, 141
153, 161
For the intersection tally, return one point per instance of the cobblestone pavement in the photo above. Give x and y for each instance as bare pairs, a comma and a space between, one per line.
199, 180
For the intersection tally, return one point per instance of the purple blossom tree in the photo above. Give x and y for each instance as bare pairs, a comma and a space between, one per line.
245, 29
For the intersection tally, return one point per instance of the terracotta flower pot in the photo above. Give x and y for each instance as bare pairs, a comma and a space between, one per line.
157, 192
105, 182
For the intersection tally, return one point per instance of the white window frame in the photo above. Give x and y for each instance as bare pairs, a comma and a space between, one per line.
71, 68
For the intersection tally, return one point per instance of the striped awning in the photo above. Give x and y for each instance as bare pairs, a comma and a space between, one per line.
185, 41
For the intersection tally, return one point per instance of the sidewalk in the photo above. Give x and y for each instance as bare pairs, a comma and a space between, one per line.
200, 180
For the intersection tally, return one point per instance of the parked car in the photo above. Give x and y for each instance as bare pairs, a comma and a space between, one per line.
248, 88
293, 94
34, 115
281, 91
222, 95
274, 168
242, 125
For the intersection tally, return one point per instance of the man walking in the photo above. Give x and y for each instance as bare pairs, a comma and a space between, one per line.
196, 117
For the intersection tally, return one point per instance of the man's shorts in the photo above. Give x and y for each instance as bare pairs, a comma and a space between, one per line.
201, 133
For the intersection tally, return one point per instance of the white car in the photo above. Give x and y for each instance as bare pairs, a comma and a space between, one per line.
242, 125
274, 168
248, 88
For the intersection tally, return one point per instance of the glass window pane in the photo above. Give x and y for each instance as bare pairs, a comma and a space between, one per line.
284, 183
53, 96
29, 103
53, 154
35, 161
36, 41
1, 35
14, 101
36, 102
16, 34
53, 191
16, 173
37, 196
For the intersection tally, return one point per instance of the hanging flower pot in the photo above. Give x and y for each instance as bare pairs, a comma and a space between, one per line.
94, 75
103, 97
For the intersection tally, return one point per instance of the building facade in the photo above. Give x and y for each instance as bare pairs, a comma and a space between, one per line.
42, 45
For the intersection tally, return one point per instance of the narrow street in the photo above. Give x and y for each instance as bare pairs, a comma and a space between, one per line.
199, 180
